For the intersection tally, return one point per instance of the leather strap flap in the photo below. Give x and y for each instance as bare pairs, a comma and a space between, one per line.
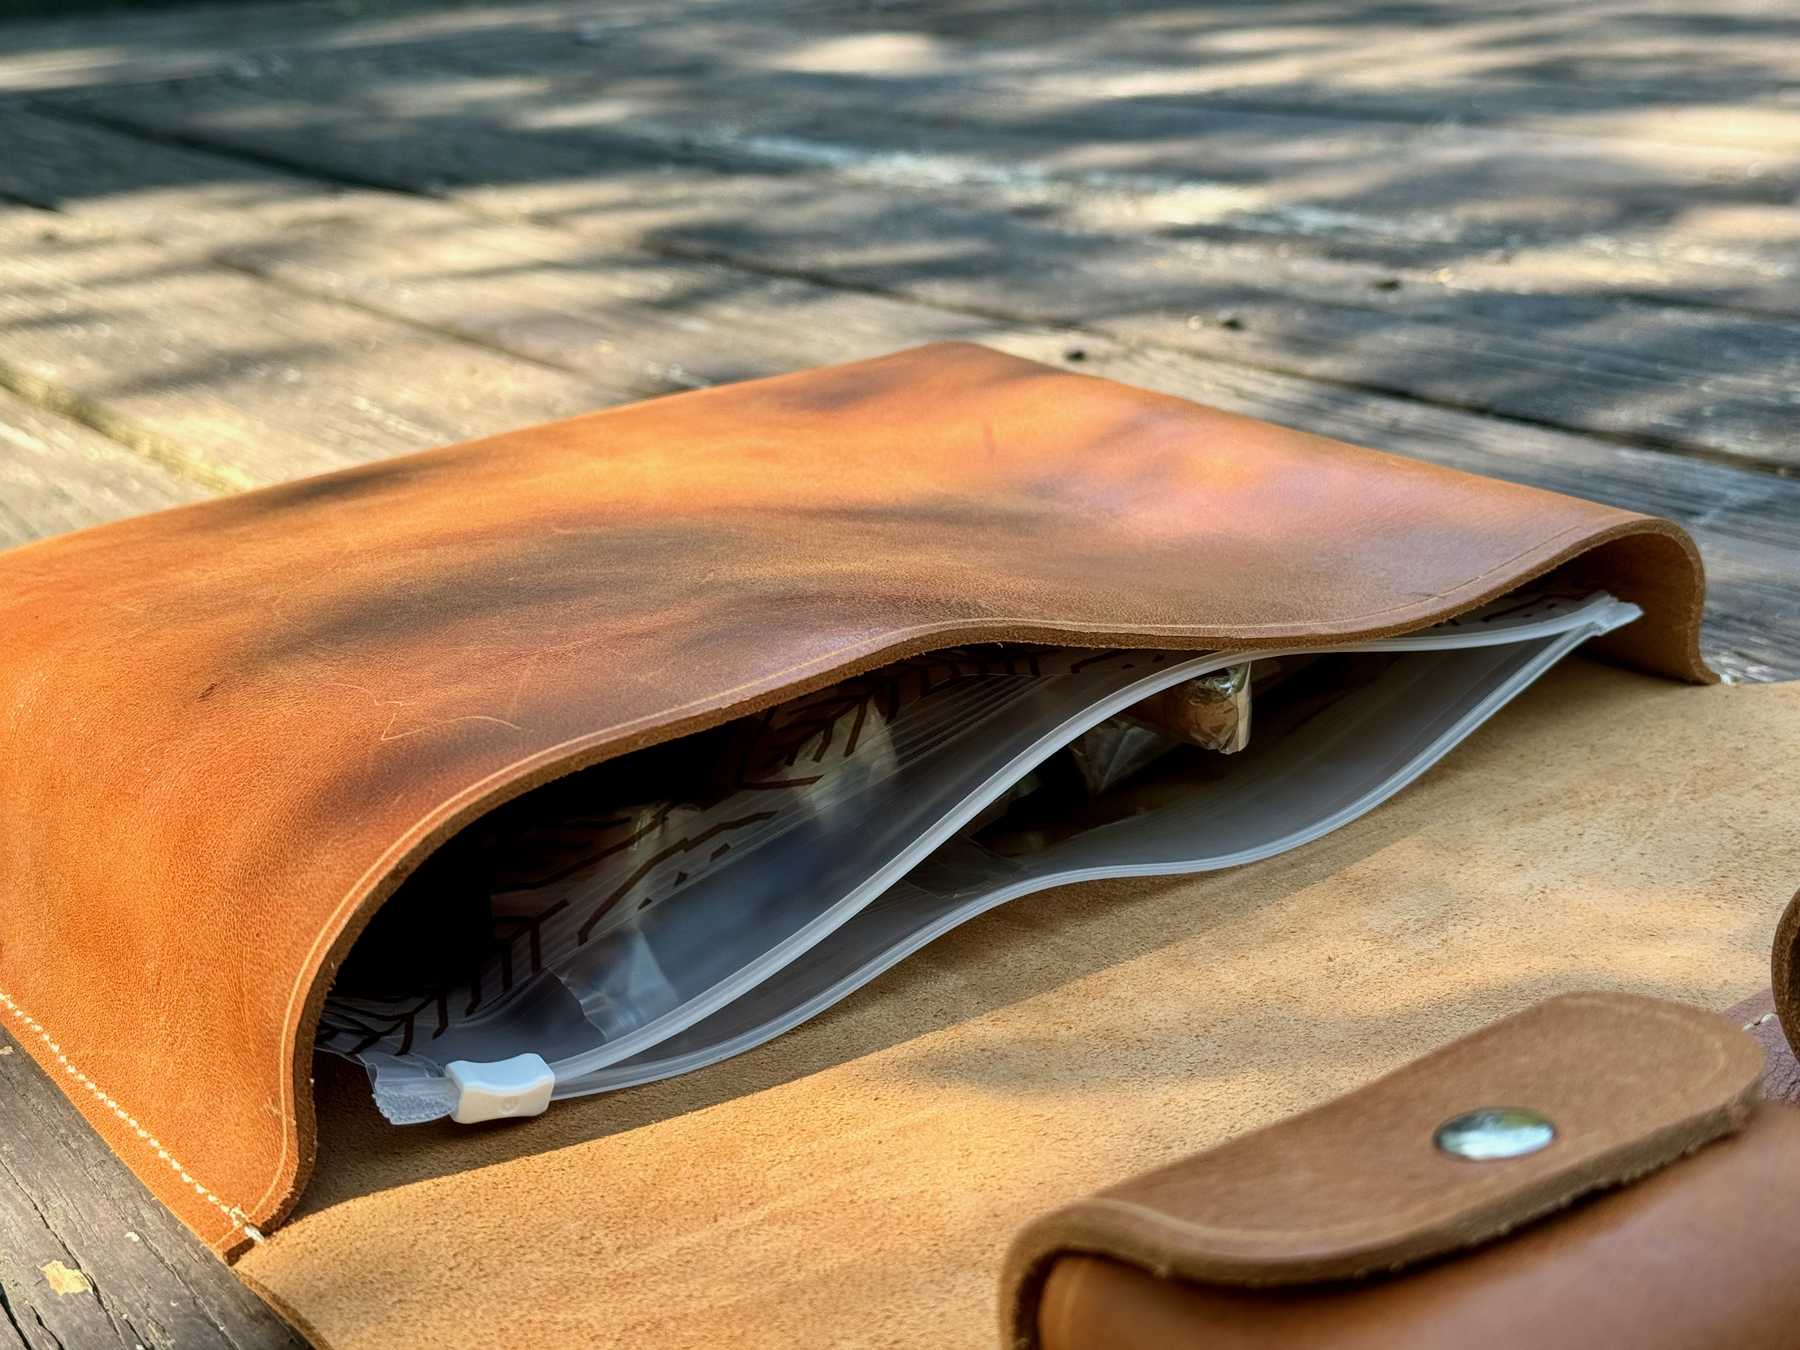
1373, 1181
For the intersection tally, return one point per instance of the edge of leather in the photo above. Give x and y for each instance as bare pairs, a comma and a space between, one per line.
1099, 1226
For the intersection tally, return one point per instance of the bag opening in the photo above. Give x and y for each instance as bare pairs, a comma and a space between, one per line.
680, 904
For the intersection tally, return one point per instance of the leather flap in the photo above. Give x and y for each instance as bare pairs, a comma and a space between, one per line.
1359, 1186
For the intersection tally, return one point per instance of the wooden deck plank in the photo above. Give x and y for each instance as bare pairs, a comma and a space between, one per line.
1683, 376
1710, 73
1132, 94
1727, 234
230, 381
1458, 59
82, 49
624, 317
58, 475
1571, 209
64, 1199
1414, 190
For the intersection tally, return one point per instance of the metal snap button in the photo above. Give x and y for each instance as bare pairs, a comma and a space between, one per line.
1494, 1132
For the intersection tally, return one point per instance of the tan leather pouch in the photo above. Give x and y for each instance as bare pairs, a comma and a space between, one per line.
1292, 1235
232, 729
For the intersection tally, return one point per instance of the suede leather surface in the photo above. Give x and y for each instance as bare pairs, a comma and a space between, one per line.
857, 1181
232, 728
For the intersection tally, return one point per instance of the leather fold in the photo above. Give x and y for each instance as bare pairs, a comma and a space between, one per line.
232, 729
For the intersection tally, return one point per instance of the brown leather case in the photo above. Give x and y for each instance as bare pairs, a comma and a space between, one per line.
231, 729
1260, 1242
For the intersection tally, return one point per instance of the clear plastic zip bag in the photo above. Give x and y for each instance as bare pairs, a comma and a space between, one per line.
679, 905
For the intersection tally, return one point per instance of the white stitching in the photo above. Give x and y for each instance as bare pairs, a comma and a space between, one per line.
231, 1212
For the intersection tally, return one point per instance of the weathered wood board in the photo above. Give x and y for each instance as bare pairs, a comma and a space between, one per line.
57, 475
1719, 72
1163, 224
88, 1259
232, 381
